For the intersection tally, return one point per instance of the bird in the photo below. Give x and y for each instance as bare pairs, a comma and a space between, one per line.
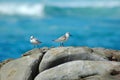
63, 38
34, 41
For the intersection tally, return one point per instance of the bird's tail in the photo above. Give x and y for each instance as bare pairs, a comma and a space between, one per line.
53, 40
40, 42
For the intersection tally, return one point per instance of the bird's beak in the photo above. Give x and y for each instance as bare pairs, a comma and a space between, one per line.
70, 35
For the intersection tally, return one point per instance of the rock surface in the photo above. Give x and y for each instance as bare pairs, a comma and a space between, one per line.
112, 55
76, 70
4, 62
63, 63
61, 55
25, 68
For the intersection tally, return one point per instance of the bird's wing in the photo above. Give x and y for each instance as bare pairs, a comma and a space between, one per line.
37, 40
62, 38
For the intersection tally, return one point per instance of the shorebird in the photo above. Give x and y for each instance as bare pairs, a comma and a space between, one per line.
63, 38
34, 41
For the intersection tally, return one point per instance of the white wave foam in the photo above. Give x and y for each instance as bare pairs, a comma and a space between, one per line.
29, 9
21, 9
90, 3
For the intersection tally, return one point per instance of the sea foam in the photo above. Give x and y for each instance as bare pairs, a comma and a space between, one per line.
21, 9
41, 9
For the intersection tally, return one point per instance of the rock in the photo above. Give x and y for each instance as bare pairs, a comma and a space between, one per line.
63, 63
44, 49
81, 70
101, 77
4, 62
39, 50
60, 55
25, 68
112, 55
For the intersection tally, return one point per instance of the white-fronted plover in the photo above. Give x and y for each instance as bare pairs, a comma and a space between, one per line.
63, 38
34, 41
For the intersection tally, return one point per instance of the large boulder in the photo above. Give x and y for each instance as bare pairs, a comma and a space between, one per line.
25, 68
60, 55
82, 70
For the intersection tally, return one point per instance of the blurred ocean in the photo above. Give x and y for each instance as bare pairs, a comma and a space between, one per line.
93, 23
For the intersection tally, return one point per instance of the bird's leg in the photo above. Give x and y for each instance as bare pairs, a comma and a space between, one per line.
62, 44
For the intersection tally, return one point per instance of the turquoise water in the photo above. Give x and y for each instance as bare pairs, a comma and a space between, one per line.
92, 23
